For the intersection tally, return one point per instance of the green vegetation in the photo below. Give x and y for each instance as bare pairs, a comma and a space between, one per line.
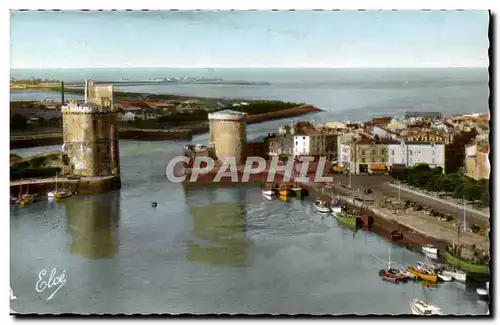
480, 265
457, 184
265, 106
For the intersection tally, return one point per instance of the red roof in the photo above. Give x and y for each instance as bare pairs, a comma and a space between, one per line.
311, 131
133, 105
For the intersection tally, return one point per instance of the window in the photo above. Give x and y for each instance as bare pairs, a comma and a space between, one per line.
362, 152
296, 143
303, 138
392, 152
363, 160
373, 152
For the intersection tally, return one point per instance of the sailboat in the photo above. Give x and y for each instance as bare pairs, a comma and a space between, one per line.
393, 275
454, 270
297, 190
25, 199
424, 307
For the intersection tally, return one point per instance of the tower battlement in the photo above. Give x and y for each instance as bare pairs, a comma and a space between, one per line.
90, 134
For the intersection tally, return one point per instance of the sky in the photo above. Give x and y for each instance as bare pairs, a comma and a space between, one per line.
336, 39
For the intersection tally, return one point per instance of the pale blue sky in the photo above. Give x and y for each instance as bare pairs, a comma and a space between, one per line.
249, 39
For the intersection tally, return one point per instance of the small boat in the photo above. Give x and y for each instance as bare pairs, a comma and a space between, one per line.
456, 274
284, 191
396, 235
269, 197
62, 194
13, 200
391, 279
482, 292
430, 249
268, 192
423, 274
392, 273
298, 191
321, 206
58, 193
420, 307
345, 219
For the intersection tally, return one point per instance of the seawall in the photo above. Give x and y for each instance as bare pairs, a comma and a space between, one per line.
83, 185
19, 142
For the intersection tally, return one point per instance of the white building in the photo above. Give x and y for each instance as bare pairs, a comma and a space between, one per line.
310, 143
344, 154
411, 153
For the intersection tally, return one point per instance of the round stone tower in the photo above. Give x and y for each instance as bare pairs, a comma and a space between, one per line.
228, 134
90, 135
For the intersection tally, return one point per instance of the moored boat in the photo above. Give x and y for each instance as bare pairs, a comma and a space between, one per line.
458, 275
62, 194
268, 192
284, 191
444, 277
430, 249
396, 235
321, 206
420, 307
298, 192
346, 219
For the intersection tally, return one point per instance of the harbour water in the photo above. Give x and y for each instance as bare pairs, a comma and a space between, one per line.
228, 250
219, 250
354, 94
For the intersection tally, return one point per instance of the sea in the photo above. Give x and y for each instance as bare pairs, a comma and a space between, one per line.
343, 94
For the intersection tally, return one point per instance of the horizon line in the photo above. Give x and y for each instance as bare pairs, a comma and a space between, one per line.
254, 67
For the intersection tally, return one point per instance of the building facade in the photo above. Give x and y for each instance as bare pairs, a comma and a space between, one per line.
309, 144
228, 134
410, 153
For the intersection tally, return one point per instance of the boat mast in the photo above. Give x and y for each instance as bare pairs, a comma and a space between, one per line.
389, 264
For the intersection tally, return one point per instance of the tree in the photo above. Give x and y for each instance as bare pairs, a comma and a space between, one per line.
484, 187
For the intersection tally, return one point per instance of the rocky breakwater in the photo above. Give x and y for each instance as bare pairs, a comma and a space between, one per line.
264, 117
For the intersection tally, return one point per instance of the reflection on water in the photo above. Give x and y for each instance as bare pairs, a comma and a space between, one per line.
92, 225
218, 227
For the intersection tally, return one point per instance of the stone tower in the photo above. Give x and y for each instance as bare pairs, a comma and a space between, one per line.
90, 134
228, 134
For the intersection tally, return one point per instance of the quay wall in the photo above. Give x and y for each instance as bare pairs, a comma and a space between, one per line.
78, 186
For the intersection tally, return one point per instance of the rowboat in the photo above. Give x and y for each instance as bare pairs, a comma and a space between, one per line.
430, 249
420, 307
423, 274
321, 206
